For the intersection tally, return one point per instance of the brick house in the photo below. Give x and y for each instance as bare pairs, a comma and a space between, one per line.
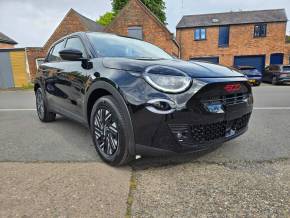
252, 38
6, 42
136, 20
72, 22
287, 49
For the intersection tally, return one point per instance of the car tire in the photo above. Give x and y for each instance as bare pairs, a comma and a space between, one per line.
274, 80
41, 107
109, 125
257, 83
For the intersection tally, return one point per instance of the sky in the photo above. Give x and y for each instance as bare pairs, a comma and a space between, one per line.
31, 22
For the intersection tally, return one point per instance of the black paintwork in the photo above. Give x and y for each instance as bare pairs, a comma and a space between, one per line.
70, 87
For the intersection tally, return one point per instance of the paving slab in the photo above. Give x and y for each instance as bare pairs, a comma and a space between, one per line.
63, 190
213, 190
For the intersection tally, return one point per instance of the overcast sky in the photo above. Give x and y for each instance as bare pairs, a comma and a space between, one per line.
31, 22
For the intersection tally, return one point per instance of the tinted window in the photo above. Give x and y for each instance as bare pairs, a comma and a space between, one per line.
275, 67
107, 45
286, 68
54, 53
135, 32
76, 43
260, 30
224, 36
199, 34
247, 68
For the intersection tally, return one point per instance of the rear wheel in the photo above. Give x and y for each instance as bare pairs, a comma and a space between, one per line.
41, 107
257, 83
108, 125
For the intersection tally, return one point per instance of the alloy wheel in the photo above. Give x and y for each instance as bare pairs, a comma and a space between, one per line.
106, 132
39, 104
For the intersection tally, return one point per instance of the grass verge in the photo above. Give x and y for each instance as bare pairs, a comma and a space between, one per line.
132, 188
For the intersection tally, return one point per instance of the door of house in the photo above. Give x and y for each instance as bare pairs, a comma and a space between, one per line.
276, 58
254, 61
6, 75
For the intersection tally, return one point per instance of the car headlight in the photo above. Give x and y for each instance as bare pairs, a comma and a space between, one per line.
167, 79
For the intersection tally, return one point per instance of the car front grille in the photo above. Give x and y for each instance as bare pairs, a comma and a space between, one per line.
231, 99
194, 135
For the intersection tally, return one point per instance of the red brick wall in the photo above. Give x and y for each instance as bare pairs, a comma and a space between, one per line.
241, 42
287, 53
5, 45
133, 14
70, 24
32, 54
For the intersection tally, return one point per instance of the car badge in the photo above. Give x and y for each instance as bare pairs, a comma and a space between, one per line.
232, 87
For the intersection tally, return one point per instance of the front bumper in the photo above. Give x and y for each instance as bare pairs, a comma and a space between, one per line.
193, 128
254, 80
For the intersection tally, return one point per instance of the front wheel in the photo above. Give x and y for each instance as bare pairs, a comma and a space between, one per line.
41, 107
274, 81
108, 125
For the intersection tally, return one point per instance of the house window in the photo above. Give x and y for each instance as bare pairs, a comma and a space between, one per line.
200, 34
224, 36
135, 32
260, 30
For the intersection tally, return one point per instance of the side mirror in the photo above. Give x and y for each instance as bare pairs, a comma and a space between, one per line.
70, 54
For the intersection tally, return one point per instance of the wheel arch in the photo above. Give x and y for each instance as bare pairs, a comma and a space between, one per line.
36, 86
103, 88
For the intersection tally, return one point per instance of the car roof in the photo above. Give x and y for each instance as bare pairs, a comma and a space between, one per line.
81, 34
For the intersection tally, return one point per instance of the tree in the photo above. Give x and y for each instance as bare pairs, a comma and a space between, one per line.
106, 19
156, 6
288, 39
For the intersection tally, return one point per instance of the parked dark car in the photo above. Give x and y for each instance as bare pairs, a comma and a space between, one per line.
277, 74
253, 75
138, 100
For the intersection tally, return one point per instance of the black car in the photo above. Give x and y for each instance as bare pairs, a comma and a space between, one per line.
277, 74
138, 100
253, 74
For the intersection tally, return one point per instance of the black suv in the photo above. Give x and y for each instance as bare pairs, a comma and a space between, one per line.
138, 100
277, 74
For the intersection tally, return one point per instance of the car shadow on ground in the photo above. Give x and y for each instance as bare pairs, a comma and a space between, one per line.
156, 162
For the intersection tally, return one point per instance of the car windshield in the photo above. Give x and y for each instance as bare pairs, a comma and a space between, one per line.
107, 45
247, 68
286, 68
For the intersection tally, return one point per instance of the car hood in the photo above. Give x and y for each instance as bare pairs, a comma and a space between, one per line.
193, 69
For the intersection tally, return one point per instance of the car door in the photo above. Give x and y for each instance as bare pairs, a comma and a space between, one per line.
65, 83
76, 77
49, 71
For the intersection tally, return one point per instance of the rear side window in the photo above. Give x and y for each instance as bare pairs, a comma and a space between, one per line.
54, 53
274, 68
286, 68
76, 43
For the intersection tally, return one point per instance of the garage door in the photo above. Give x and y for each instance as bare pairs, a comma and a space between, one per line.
18, 64
6, 76
214, 60
254, 61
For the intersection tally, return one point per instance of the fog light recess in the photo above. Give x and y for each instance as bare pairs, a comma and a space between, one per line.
161, 106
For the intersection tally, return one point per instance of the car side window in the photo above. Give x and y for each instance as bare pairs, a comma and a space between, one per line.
76, 43
54, 53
